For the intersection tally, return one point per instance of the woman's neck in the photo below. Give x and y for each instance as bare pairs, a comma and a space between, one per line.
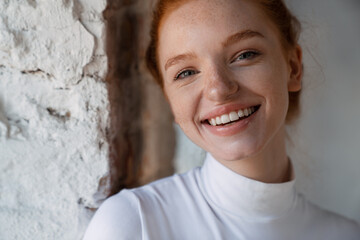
271, 165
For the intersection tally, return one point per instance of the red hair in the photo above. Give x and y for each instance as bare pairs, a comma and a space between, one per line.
287, 24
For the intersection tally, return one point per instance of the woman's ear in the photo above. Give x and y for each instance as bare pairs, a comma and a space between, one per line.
296, 69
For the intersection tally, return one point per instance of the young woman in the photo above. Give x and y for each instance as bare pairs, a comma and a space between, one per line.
231, 71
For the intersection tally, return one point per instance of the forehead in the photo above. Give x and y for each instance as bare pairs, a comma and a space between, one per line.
201, 10
214, 20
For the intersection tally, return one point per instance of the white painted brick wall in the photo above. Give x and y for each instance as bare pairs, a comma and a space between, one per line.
53, 116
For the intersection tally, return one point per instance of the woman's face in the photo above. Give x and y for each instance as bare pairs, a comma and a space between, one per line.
226, 75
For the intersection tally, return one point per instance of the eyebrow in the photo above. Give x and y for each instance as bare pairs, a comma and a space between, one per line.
246, 34
178, 58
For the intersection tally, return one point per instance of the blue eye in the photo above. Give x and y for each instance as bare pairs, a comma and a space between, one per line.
185, 74
247, 55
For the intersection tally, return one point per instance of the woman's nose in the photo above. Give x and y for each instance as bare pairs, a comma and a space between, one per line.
220, 86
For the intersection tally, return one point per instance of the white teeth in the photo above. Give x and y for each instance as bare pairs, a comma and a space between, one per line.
233, 116
225, 119
218, 121
246, 112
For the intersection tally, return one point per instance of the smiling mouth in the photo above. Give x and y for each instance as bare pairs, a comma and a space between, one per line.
232, 117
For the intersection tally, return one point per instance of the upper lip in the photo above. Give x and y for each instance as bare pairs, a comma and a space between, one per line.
225, 109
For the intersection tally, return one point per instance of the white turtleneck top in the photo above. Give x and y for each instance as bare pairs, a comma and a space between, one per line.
213, 202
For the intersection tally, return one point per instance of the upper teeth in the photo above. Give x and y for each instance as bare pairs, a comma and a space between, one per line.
232, 116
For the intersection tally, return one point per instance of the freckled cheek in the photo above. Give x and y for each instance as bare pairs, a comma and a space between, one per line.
277, 98
183, 107
258, 80
268, 81
269, 78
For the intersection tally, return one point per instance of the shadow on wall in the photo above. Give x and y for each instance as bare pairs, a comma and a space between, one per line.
10, 128
141, 136
4, 123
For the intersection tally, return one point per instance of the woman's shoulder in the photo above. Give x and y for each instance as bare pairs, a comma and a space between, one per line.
329, 223
175, 184
169, 194
116, 217
120, 216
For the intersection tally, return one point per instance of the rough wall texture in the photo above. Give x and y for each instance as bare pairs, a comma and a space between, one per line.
53, 116
65, 101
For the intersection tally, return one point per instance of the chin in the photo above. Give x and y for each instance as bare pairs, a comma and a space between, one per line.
237, 151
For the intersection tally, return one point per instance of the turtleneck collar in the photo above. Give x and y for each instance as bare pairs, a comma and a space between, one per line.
244, 197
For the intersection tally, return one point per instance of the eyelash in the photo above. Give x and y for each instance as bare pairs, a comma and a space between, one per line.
178, 75
251, 52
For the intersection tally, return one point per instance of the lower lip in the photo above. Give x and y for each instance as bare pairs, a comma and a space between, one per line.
233, 128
